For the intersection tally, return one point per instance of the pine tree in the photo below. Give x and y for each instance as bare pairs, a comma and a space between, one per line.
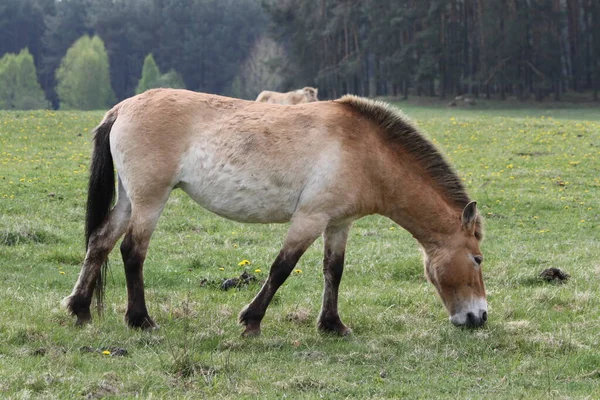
171, 79
30, 95
83, 80
19, 87
150, 75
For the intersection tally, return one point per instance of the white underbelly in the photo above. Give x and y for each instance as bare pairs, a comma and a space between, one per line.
238, 191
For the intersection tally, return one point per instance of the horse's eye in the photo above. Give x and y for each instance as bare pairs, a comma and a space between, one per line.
478, 259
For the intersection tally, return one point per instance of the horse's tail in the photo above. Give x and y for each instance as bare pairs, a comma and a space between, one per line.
101, 192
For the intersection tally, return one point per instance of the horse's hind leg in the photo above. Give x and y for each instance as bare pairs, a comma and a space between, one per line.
302, 233
100, 245
333, 267
133, 250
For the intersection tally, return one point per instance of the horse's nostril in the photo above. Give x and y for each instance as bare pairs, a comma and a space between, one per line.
470, 319
484, 316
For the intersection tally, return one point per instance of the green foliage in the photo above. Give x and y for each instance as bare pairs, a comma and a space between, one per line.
171, 79
152, 78
367, 47
150, 75
83, 80
534, 174
19, 87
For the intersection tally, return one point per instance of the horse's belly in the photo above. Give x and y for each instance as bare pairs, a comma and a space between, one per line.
240, 195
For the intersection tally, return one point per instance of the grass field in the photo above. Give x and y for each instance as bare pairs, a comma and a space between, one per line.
534, 173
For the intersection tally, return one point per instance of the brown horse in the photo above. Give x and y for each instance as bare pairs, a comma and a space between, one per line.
246, 161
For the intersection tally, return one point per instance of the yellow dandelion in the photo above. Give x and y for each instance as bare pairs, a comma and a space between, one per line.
297, 271
243, 262
106, 353
221, 269
257, 270
61, 272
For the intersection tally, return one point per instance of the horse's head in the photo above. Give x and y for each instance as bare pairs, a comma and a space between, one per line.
454, 268
310, 93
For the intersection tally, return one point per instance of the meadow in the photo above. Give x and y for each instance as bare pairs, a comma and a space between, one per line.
535, 174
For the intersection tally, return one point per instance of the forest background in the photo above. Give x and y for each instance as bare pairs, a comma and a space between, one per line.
525, 49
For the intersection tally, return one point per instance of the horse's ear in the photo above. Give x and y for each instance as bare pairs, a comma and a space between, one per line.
469, 217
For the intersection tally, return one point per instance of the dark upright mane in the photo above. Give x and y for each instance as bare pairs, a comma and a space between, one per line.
399, 129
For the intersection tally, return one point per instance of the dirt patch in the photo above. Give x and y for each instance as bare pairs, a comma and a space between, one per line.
303, 383
554, 275
532, 153
44, 351
108, 386
300, 316
244, 279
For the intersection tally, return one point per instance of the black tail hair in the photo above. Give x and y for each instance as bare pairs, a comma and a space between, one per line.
101, 193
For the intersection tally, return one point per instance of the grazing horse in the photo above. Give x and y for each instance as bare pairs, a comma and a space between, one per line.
304, 95
246, 161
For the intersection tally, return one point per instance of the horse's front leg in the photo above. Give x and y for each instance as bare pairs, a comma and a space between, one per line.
333, 267
302, 233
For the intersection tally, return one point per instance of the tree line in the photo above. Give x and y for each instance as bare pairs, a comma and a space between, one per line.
442, 47
500, 48
203, 42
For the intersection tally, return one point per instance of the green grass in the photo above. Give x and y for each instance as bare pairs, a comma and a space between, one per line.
534, 173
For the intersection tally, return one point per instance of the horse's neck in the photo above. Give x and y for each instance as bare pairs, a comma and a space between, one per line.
428, 218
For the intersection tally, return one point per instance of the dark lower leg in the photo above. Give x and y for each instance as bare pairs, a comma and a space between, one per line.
78, 303
133, 258
329, 319
100, 245
254, 312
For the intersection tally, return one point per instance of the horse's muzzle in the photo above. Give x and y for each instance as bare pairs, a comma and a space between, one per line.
470, 319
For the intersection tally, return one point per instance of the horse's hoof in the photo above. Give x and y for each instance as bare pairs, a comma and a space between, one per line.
338, 329
346, 332
75, 307
82, 321
251, 321
251, 332
150, 327
143, 322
